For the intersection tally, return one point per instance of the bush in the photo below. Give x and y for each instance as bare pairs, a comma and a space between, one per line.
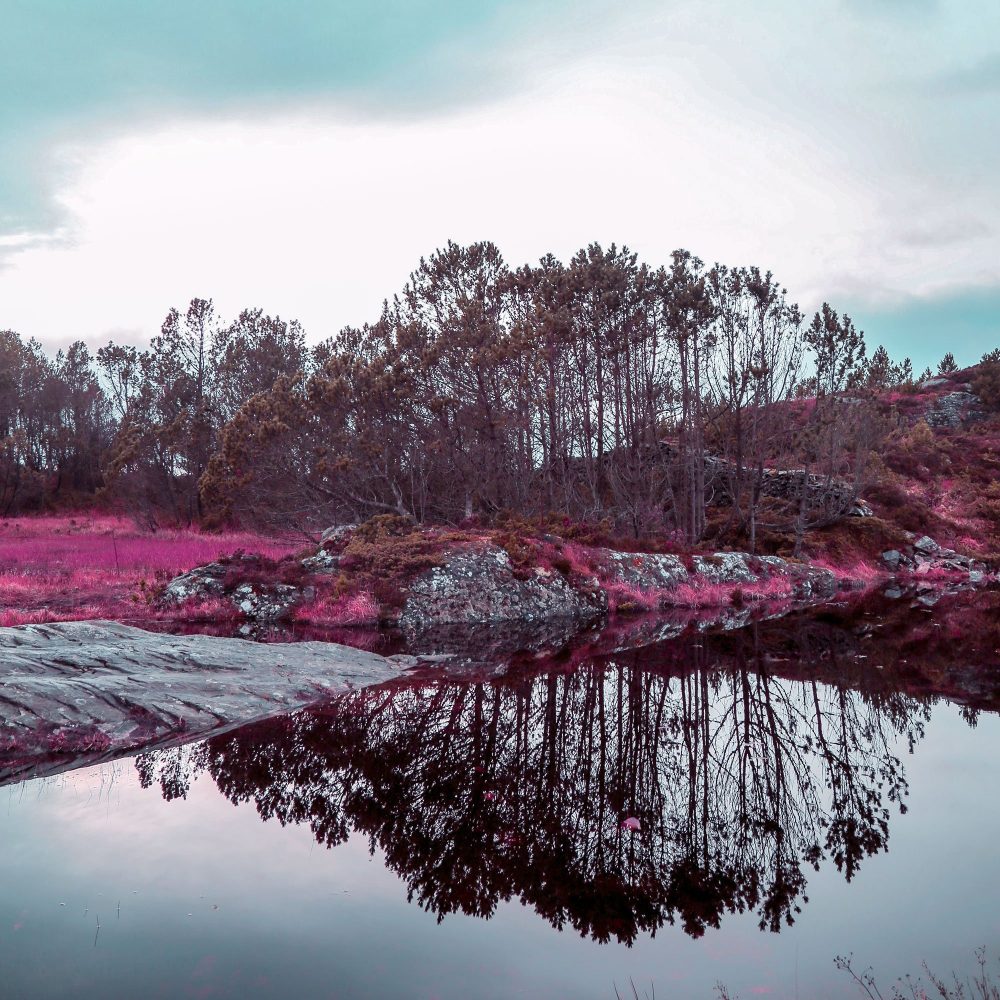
988, 505
386, 552
986, 384
916, 451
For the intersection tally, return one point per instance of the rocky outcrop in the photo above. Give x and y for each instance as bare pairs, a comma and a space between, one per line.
923, 555
954, 409
822, 493
469, 578
662, 573
100, 689
645, 570
475, 581
255, 600
478, 584
836, 496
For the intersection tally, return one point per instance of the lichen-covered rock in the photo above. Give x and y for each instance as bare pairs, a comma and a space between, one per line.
336, 533
646, 570
266, 602
725, 567
478, 584
197, 584
955, 409
321, 562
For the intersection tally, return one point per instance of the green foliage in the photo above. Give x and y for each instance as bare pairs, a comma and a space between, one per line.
947, 364
986, 382
839, 351
383, 554
916, 449
988, 505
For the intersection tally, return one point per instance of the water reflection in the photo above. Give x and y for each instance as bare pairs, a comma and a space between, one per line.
743, 773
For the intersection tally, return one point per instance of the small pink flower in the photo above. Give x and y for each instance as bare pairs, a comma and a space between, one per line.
489, 796
631, 823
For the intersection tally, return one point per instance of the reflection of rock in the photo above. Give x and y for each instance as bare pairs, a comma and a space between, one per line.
103, 688
491, 647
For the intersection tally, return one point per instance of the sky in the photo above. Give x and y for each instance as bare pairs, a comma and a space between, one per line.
302, 156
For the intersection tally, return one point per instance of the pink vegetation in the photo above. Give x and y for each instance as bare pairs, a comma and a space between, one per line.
705, 594
352, 609
102, 566
858, 571
628, 597
696, 593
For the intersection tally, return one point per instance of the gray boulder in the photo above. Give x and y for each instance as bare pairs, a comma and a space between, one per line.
336, 533
322, 562
646, 570
266, 602
893, 559
955, 409
478, 584
725, 567
199, 583
94, 690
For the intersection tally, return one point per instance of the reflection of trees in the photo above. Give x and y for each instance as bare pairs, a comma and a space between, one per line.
478, 792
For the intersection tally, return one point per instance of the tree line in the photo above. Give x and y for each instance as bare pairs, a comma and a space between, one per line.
601, 389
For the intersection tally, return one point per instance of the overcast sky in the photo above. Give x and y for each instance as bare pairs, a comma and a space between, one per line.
302, 155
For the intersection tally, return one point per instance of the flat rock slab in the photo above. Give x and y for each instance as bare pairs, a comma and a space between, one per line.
77, 692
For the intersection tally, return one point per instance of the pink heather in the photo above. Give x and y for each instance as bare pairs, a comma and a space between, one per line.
63, 568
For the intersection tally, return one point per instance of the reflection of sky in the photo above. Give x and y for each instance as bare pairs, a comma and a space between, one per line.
296, 920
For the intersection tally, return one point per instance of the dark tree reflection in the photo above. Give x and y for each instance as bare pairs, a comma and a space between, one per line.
517, 788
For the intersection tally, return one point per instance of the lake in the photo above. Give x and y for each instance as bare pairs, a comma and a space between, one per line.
804, 788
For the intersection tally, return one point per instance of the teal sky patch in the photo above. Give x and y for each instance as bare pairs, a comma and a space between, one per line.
70, 68
966, 323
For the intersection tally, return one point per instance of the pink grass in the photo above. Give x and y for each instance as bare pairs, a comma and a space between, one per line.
626, 597
102, 566
702, 594
696, 593
351, 609
858, 571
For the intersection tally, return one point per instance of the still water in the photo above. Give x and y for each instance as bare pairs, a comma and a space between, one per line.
804, 790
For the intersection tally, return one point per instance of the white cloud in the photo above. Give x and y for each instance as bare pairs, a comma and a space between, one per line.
649, 140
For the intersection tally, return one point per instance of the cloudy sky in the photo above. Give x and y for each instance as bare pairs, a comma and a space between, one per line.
302, 155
